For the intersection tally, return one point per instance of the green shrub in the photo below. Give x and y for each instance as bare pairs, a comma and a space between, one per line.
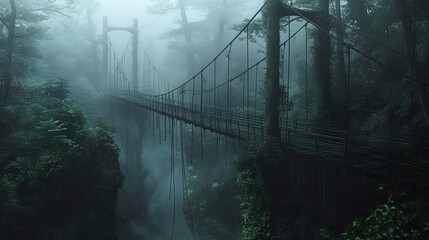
57, 178
258, 169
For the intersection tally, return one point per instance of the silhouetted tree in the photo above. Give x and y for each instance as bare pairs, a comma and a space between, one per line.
7, 72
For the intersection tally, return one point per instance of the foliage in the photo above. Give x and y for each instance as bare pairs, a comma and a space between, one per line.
212, 203
392, 220
28, 29
258, 171
56, 177
286, 102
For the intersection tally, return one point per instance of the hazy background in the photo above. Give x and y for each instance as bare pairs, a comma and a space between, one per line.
155, 156
152, 27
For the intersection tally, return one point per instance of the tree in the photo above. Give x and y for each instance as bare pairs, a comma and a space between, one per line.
91, 7
57, 177
197, 34
161, 7
321, 62
272, 84
341, 66
408, 28
7, 72
187, 33
23, 25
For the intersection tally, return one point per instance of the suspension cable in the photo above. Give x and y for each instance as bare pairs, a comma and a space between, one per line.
218, 55
257, 63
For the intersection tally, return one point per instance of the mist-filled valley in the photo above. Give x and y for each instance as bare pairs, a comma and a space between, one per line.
214, 119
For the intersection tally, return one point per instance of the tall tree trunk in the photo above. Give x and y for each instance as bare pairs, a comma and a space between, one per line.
321, 62
7, 75
272, 85
341, 66
188, 38
95, 74
407, 30
221, 31
359, 11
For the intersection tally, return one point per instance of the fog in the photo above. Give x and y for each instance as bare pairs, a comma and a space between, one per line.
147, 205
153, 26
207, 120
161, 205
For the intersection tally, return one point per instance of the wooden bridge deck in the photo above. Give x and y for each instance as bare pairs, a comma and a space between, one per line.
389, 156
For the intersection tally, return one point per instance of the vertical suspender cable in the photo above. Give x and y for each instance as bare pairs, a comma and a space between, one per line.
287, 116
214, 89
243, 80
173, 182
109, 58
229, 83
159, 87
193, 118
288, 77
169, 111
226, 149
164, 99
201, 146
201, 117
248, 81
192, 100
306, 74
256, 88
347, 133
153, 123
283, 74
201, 98
126, 138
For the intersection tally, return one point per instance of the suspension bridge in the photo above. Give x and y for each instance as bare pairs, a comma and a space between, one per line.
225, 97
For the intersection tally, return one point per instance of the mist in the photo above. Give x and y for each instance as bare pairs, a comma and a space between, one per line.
214, 119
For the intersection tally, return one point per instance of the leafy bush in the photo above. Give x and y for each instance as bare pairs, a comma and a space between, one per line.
57, 179
258, 169
388, 221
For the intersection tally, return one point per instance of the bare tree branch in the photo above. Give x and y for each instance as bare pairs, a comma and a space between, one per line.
3, 21
286, 10
45, 10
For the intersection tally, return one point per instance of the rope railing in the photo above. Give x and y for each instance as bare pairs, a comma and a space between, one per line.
160, 76
219, 98
214, 59
254, 65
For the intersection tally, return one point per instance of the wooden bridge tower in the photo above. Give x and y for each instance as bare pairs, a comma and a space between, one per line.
134, 30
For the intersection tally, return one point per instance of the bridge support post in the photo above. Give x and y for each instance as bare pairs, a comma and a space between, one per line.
135, 53
105, 51
134, 30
